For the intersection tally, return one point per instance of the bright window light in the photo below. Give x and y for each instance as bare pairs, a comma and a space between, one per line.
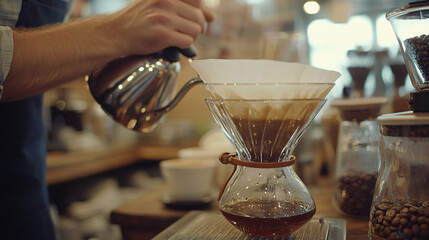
329, 43
311, 7
385, 35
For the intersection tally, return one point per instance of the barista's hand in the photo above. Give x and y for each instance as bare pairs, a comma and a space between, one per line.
148, 26
49, 56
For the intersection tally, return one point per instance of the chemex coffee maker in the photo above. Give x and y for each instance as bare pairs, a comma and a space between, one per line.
400, 207
264, 107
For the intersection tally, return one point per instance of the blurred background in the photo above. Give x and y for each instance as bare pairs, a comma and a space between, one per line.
333, 34
349, 36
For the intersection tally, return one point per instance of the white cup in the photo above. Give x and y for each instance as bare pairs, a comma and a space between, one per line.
222, 170
188, 179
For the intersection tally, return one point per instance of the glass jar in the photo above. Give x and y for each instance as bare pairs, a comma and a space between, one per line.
358, 156
400, 208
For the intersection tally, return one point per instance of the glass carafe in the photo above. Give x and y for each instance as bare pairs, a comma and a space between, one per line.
400, 208
264, 196
358, 158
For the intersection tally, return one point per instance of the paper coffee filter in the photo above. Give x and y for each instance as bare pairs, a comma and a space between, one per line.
264, 79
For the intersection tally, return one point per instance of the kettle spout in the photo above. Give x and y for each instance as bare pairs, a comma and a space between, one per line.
180, 95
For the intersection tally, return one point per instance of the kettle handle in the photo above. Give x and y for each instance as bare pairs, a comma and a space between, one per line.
172, 54
180, 94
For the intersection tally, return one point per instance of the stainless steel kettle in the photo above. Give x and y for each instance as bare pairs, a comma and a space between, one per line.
137, 91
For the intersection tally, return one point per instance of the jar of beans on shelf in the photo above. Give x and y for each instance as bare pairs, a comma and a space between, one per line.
400, 209
358, 156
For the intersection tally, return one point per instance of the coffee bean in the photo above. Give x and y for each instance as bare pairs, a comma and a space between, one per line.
393, 235
383, 206
395, 221
403, 219
413, 219
393, 228
407, 232
424, 230
354, 193
413, 209
415, 229
390, 213
380, 219
387, 231
404, 210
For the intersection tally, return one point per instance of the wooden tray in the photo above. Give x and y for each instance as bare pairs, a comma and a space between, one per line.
203, 225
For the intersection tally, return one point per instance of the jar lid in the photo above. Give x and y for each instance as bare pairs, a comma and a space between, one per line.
411, 7
359, 109
359, 103
404, 118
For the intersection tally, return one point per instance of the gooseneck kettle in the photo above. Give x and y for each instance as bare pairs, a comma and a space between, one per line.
137, 91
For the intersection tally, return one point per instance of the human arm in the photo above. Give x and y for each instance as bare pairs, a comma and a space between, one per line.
48, 56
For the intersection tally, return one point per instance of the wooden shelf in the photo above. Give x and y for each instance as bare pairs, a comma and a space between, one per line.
68, 166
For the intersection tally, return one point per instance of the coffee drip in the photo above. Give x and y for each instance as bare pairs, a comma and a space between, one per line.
264, 121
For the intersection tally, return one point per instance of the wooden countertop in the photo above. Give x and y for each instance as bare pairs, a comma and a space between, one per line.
146, 216
67, 166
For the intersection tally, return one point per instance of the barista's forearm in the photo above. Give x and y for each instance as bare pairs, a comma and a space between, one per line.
52, 55
47, 57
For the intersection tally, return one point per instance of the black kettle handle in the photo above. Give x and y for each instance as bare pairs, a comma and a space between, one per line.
172, 54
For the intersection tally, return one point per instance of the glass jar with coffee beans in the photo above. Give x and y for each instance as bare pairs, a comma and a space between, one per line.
400, 208
358, 157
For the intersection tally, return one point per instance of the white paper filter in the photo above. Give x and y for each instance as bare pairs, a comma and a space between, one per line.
263, 79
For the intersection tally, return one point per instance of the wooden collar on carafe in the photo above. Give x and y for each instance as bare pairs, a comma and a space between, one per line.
230, 158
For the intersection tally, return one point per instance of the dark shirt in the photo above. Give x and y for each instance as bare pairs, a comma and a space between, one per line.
24, 202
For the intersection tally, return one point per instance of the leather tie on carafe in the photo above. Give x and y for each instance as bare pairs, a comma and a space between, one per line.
231, 158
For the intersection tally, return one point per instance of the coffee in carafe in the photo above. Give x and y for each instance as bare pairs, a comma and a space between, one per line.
280, 221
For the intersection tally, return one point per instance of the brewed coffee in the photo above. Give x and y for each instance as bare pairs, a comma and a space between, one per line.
283, 217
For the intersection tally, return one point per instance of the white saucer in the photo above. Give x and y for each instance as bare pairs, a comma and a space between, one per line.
196, 204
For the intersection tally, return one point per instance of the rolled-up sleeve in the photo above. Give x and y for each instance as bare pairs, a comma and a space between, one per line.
6, 54
9, 13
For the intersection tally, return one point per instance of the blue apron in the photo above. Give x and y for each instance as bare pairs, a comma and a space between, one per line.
24, 202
